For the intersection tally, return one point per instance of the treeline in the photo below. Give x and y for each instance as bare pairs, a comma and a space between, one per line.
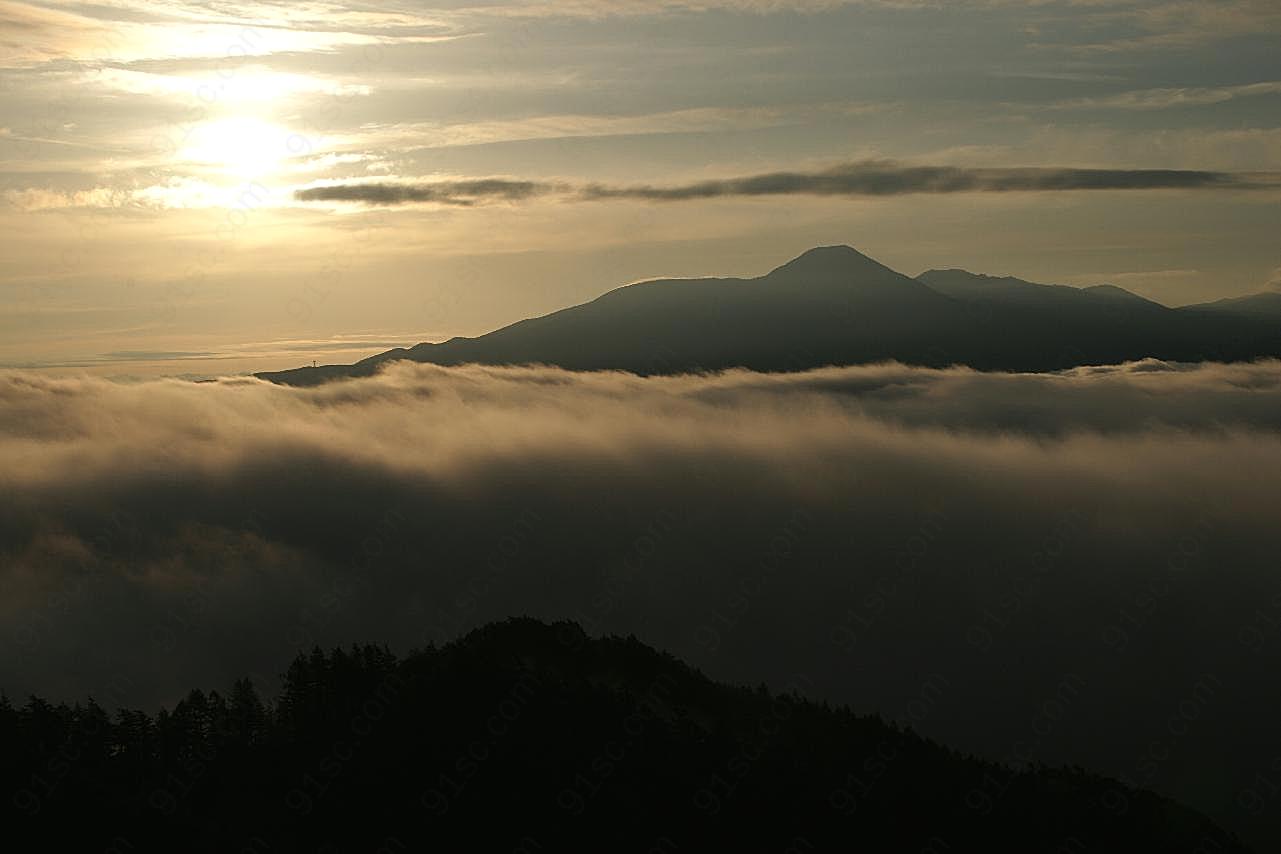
529, 737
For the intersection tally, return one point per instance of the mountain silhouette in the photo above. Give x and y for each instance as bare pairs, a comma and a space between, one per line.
525, 736
1264, 305
1007, 290
834, 305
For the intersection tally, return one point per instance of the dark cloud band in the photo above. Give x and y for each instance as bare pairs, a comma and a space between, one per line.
871, 178
459, 193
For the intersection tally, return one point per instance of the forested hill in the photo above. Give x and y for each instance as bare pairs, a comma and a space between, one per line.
530, 737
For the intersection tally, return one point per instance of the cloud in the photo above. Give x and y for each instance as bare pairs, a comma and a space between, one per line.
460, 193
127, 30
429, 135
31, 33
1162, 24
889, 179
863, 179
155, 355
39, 198
1165, 98
863, 526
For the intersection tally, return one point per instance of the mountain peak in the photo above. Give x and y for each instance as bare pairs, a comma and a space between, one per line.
829, 262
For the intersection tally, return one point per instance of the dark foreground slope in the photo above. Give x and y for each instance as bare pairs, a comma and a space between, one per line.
529, 737
835, 306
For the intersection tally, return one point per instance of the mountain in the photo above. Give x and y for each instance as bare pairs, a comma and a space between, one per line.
834, 305
524, 736
1261, 305
1009, 291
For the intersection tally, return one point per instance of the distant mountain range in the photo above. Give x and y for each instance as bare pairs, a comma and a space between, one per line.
524, 736
834, 305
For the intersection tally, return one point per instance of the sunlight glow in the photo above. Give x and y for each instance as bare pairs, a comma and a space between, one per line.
241, 147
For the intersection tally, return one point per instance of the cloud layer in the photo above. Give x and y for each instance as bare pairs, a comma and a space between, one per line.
868, 178
1113, 530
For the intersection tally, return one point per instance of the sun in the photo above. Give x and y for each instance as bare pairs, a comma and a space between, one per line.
240, 147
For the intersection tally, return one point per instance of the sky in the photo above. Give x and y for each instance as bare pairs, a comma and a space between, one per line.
202, 188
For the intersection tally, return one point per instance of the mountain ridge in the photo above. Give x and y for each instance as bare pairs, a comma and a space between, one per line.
1263, 303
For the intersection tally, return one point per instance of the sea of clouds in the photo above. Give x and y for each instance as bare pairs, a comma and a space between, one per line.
1070, 567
